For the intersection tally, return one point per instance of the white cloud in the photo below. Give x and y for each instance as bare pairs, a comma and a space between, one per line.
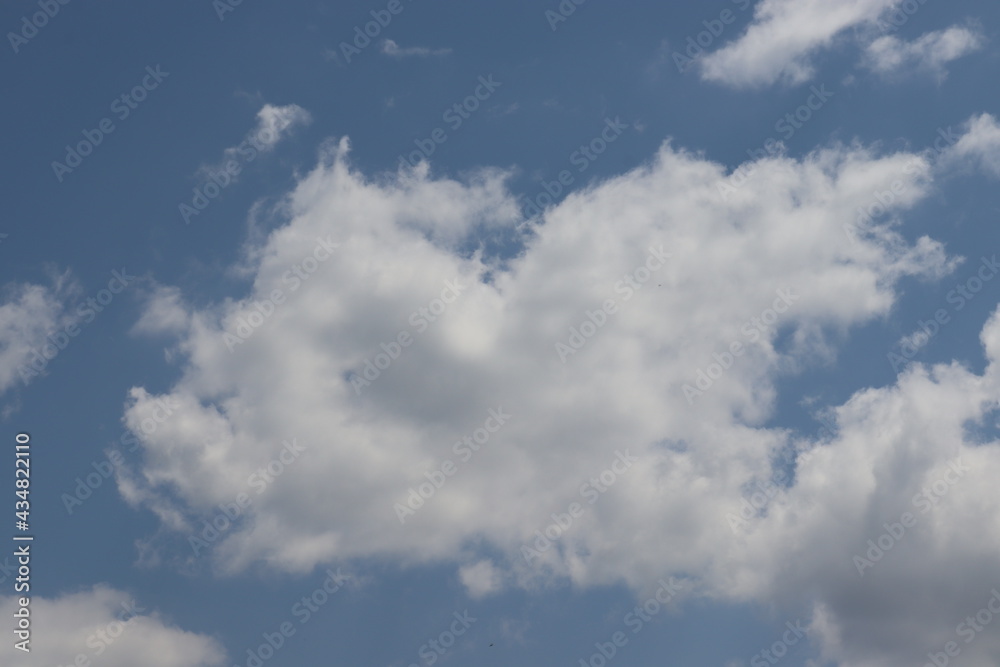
28, 315
91, 623
390, 48
929, 53
978, 146
481, 579
403, 236
166, 313
893, 444
913, 341
784, 36
274, 123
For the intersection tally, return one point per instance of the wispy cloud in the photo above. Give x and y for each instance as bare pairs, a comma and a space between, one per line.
394, 50
928, 54
274, 123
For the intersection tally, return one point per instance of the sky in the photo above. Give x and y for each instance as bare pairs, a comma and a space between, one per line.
409, 333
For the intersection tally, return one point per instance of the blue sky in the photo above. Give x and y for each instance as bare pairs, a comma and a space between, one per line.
621, 293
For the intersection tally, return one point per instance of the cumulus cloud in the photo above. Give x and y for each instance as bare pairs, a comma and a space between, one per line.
394, 50
928, 54
29, 313
107, 627
783, 38
886, 590
421, 372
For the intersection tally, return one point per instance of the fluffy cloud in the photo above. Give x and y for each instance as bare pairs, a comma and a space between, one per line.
779, 44
28, 315
481, 579
515, 397
109, 628
928, 53
902, 450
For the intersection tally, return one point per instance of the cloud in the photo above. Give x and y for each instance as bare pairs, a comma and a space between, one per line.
899, 450
783, 38
109, 628
481, 579
598, 444
28, 315
914, 341
929, 53
978, 146
165, 314
513, 107
393, 50
274, 123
